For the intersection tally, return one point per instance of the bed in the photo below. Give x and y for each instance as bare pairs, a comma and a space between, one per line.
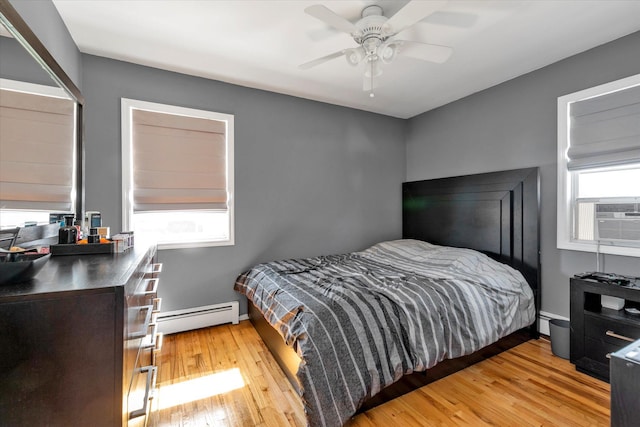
353, 330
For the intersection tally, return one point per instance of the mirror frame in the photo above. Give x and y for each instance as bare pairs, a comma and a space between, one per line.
27, 38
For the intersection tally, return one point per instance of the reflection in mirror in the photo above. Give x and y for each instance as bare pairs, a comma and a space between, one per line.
40, 132
37, 125
18, 64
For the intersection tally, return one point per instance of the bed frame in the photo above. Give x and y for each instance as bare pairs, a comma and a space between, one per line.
495, 213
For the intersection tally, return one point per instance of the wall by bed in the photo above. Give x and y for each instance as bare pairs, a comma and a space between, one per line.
513, 125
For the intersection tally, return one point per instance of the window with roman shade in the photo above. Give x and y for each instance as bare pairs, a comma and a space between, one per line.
599, 168
605, 130
37, 146
178, 182
179, 162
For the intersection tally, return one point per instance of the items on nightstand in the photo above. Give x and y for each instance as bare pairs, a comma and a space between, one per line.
614, 303
609, 278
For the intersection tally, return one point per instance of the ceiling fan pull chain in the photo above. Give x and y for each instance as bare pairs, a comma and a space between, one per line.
371, 95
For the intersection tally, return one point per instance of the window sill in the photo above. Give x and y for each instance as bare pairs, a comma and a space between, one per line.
186, 245
604, 249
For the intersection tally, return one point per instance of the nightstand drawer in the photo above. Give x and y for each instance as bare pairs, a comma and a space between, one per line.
611, 331
599, 350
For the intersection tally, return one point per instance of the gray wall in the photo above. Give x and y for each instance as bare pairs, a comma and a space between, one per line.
310, 178
313, 178
513, 125
43, 19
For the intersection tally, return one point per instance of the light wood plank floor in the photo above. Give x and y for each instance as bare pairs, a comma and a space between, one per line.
225, 376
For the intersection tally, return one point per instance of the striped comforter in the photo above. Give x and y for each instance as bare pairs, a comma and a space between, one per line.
362, 320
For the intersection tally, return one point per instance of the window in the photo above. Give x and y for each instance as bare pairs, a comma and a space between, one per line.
599, 169
37, 152
177, 174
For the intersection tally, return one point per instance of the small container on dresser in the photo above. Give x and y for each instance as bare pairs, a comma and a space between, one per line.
601, 326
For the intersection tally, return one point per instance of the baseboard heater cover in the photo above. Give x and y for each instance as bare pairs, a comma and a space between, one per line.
544, 318
171, 322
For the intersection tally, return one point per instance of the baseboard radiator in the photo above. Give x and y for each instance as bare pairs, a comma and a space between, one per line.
544, 318
198, 317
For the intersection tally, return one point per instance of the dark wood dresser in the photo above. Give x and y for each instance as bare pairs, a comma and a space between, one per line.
597, 331
77, 343
625, 386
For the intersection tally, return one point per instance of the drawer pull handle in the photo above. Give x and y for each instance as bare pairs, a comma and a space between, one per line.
152, 286
145, 325
159, 341
157, 349
155, 269
157, 305
620, 337
151, 343
151, 373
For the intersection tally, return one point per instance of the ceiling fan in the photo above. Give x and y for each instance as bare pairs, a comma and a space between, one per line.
374, 33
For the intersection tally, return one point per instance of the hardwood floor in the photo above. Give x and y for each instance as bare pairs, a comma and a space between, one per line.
225, 376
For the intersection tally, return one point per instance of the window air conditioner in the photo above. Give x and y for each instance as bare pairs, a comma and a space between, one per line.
618, 222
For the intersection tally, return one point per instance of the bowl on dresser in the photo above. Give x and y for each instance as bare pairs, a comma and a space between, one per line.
19, 267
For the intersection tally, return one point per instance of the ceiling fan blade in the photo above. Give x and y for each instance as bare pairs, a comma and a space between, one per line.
331, 18
424, 51
413, 12
322, 60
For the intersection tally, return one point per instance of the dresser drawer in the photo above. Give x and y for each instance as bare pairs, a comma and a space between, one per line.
610, 330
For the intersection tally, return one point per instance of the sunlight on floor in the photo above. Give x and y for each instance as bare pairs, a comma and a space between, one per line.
199, 388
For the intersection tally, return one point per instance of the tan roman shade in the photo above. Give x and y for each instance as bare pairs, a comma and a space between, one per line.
605, 130
36, 151
179, 162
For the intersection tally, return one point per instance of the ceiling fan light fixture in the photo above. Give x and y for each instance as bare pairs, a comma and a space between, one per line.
387, 52
354, 56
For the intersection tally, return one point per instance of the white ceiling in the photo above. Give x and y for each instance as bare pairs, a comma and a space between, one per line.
260, 44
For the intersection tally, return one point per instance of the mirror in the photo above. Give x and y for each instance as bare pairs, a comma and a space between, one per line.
25, 59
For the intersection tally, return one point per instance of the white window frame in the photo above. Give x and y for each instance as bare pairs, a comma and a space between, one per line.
566, 178
127, 106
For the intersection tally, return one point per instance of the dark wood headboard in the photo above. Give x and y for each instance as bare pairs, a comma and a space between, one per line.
497, 213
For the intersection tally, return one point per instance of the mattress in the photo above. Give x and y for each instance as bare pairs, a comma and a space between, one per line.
362, 320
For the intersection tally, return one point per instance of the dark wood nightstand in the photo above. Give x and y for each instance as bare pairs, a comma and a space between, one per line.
597, 331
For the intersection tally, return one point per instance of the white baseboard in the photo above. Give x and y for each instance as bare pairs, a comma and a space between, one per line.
198, 317
201, 317
544, 321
